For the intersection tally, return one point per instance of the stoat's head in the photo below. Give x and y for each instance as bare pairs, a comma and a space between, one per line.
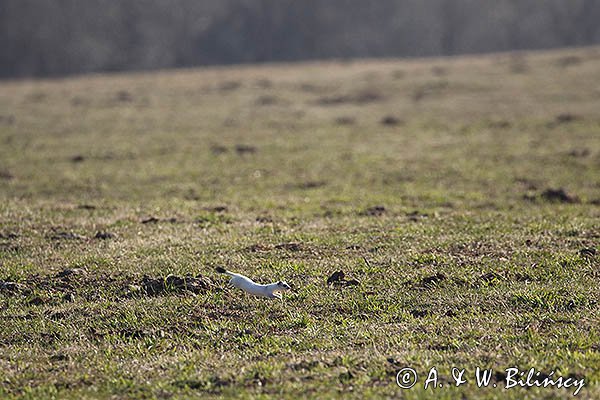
278, 288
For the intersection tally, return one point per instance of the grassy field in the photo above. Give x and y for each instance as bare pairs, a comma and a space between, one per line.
463, 194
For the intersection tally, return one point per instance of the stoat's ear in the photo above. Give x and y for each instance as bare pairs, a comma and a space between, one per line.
279, 283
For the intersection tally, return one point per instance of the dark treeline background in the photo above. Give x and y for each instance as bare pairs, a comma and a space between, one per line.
59, 37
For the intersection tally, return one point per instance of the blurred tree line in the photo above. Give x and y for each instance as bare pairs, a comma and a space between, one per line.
59, 37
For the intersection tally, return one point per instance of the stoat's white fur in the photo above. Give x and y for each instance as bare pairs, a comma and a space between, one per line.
272, 290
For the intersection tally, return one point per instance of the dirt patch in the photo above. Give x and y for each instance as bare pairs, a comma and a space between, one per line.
259, 248
565, 118
416, 215
500, 124
218, 149
490, 277
173, 284
310, 185
77, 159
345, 120
123, 96
430, 89
390, 120
338, 278
8, 236
439, 71
245, 149
154, 220
364, 96
65, 235
588, 252
518, 65
264, 219
217, 209
229, 86
558, 196
7, 119
419, 313
551, 195
268, 100
527, 184
568, 61
580, 153
6, 175
102, 235
289, 246
73, 283
71, 272
13, 288
264, 83
433, 280
374, 211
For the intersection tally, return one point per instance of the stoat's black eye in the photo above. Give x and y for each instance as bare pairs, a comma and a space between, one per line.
279, 283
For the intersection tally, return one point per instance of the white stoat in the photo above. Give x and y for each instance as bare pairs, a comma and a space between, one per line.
272, 290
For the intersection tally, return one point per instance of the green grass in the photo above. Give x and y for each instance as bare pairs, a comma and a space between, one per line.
467, 265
